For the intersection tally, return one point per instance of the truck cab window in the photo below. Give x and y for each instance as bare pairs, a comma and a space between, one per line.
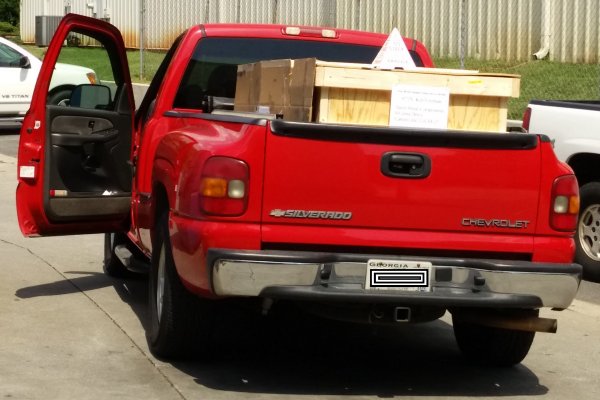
213, 67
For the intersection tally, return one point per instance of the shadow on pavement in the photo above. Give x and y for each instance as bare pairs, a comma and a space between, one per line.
90, 281
291, 352
133, 291
300, 354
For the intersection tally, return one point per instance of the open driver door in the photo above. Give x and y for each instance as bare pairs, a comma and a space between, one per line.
74, 172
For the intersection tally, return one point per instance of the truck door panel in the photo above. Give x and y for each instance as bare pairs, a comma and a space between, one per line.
87, 171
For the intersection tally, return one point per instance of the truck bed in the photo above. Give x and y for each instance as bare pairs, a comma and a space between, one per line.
593, 105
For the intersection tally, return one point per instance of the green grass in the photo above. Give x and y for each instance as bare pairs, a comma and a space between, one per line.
96, 59
539, 79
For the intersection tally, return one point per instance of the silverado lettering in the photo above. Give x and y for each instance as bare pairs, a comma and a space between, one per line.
189, 187
311, 214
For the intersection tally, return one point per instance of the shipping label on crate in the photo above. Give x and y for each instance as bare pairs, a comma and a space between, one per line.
414, 106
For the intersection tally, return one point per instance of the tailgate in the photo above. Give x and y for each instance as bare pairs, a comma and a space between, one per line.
396, 179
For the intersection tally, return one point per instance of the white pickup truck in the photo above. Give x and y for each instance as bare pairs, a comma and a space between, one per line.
19, 70
574, 128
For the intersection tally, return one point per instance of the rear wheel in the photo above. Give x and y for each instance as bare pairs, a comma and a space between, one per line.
587, 236
491, 346
181, 323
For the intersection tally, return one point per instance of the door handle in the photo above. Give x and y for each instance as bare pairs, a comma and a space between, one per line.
405, 165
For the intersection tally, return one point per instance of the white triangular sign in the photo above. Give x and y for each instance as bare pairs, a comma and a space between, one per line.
394, 54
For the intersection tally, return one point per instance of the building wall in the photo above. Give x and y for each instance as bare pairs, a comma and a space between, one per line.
486, 29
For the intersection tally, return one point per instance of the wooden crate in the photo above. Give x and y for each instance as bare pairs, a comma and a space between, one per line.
351, 93
313, 90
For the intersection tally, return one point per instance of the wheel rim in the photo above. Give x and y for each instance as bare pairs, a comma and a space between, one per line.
160, 283
589, 232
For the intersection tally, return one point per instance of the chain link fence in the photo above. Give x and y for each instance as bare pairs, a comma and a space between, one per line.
552, 44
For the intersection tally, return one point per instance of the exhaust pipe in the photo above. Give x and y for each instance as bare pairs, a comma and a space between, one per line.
529, 323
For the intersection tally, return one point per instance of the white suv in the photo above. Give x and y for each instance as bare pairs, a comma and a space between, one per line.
19, 70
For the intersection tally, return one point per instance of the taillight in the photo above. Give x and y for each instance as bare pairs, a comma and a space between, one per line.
565, 203
224, 186
526, 118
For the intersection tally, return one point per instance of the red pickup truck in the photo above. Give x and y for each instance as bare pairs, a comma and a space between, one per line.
374, 224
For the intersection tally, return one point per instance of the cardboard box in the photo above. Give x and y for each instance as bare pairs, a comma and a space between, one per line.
284, 87
345, 93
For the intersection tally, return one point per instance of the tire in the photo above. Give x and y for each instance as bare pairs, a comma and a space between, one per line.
60, 98
587, 235
181, 323
491, 346
112, 265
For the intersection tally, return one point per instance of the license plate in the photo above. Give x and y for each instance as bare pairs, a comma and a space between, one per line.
400, 275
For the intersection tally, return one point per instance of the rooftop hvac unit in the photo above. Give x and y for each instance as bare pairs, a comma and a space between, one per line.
45, 26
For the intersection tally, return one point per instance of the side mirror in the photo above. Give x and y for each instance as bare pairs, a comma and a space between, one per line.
24, 63
90, 96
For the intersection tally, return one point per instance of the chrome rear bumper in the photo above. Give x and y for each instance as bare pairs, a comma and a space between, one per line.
341, 277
